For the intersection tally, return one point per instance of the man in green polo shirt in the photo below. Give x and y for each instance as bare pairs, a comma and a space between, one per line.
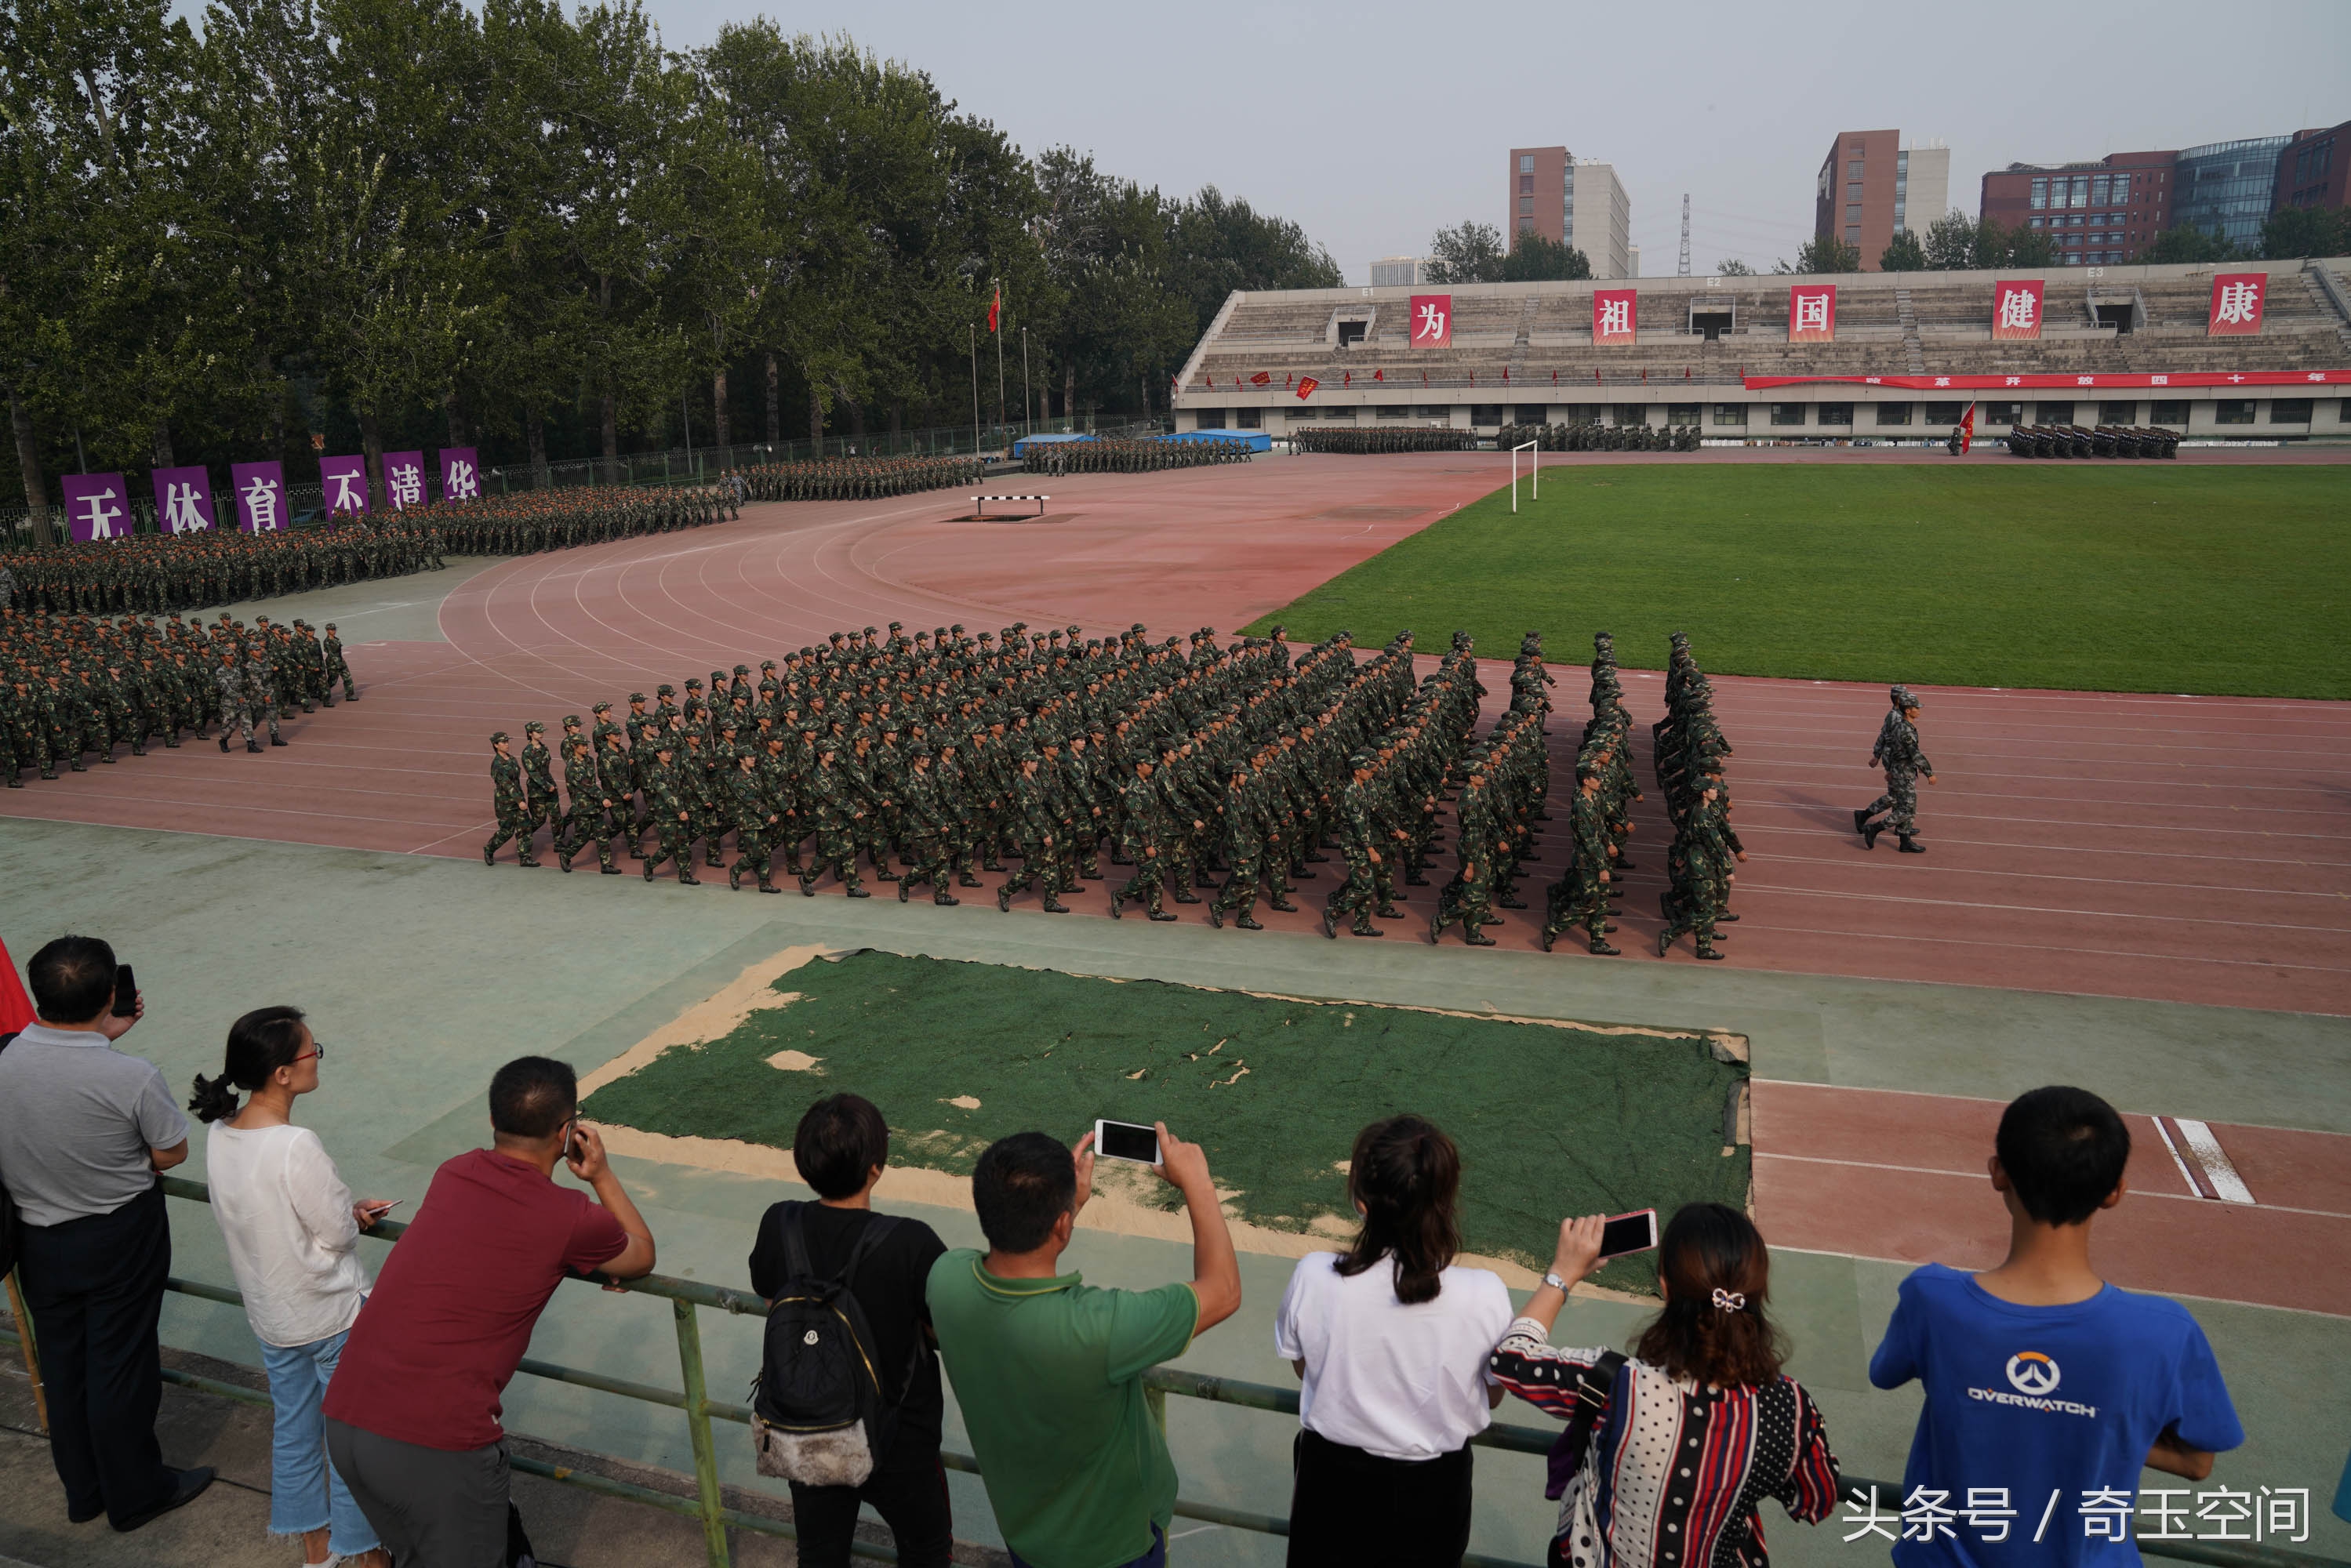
1048, 1369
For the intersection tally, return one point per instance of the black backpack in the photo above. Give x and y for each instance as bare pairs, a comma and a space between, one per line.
820, 1414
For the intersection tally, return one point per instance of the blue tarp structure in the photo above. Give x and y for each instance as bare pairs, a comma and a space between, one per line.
1258, 440
1021, 447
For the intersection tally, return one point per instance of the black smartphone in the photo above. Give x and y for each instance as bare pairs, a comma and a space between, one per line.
126, 992
1629, 1233
1127, 1141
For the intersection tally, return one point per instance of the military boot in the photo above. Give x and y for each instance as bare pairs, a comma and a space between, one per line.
1911, 846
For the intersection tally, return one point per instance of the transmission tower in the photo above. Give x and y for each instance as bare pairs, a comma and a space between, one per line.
1683, 271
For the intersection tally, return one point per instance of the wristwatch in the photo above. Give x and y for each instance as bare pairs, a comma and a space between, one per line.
1555, 1282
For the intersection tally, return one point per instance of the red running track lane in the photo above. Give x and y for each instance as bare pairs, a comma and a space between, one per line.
1877, 1174
2175, 849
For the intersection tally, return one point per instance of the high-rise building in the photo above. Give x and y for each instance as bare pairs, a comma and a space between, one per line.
1871, 185
2227, 187
1399, 271
1573, 201
2102, 213
2314, 169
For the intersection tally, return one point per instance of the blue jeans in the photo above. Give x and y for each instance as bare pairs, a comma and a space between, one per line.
305, 1493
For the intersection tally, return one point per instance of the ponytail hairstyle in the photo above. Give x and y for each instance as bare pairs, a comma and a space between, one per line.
1714, 1329
260, 1044
1407, 1175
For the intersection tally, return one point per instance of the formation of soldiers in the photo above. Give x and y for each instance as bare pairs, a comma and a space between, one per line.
1104, 455
1897, 751
1352, 440
155, 574
857, 478
526, 522
1689, 752
74, 686
2080, 441
1590, 435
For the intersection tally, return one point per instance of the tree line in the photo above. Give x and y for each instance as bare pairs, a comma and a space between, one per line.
377, 225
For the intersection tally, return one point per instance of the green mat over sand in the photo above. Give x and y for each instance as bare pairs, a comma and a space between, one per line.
1551, 1120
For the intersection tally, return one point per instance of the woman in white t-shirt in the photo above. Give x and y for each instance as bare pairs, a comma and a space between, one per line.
293, 1236
1392, 1341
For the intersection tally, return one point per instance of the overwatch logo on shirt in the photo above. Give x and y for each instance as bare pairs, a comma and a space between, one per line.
2034, 1377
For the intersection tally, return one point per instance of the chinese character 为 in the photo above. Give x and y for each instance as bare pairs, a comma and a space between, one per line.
1431, 323
2285, 1512
2237, 304
1811, 312
347, 498
2017, 310
100, 516
1616, 318
1926, 1513
261, 504
1987, 1507
406, 483
2169, 1517
1872, 1523
459, 484
2106, 1514
180, 513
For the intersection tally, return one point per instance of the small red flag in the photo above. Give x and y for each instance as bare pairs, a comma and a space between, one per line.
16, 1007
1346, 378
1506, 373
1307, 386
1261, 379
1554, 378
1379, 375
1645, 378
995, 307
1967, 429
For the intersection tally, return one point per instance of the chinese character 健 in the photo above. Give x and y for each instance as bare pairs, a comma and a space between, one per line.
2017, 309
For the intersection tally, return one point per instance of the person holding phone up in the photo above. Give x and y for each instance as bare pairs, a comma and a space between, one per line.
293, 1235
1670, 1452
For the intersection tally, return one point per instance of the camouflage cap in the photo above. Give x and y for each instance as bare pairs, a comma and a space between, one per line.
572, 721
500, 738
745, 669
1902, 697
636, 696
602, 707
330, 625
534, 726
665, 689
766, 664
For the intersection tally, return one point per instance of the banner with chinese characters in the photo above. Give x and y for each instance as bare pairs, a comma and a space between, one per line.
1306, 388
403, 481
2224, 380
2237, 304
183, 500
1615, 315
260, 491
98, 505
1432, 320
2016, 308
1811, 313
461, 474
342, 483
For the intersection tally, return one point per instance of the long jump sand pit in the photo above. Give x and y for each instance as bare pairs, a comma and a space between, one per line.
1553, 1117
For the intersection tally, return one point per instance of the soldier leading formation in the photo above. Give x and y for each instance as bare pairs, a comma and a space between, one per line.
1899, 753
72, 687
1689, 749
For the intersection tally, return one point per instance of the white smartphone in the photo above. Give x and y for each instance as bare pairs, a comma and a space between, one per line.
1126, 1141
1628, 1233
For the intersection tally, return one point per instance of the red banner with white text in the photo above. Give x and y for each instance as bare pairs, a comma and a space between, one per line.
1615, 315
2016, 308
2138, 379
1811, 313
1432, 320
2237, 304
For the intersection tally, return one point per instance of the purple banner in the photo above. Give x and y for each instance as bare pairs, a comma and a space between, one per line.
404, 480
183, 500
260, 490
461, 474
98, 505
344, 482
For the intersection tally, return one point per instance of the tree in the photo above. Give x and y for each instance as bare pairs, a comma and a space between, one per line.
1539, 258
1825, 254
1470, 254
1733, 267
2187, 243
1221, 244
1904, 253
1951, 242
2296, 232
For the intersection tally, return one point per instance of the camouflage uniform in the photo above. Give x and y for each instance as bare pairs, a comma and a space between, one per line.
506, 798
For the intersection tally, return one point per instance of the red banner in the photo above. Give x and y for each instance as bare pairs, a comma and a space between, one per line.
1306, 388
1261, 378
1432, 320
2141, 379
1811, 313
2016, 308
2237, 304
1615, 315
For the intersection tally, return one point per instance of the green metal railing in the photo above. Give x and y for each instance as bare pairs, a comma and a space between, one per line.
688, 1298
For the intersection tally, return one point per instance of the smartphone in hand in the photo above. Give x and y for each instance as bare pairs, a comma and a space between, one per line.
126, 992
1127, 1141
1625, 1234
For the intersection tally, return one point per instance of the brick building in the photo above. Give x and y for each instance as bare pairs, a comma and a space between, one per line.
1870, 185
2102, 213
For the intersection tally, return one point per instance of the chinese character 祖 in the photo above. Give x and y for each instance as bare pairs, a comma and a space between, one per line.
1613, 317
261, 504
180, 513
2236, 305
1872, 1523
347, 499
100, 516
460, 484
2169, 1517
1811, 312
1431, 323
2224, 1506
2017, 309
2285, 1512
1925, 1514
406, 483
2106, 1514
1987, 1507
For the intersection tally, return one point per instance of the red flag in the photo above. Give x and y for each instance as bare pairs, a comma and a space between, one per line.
1379, 375
1554, 378
1346, 378
1306, 387
1967, 429
16, 1007
1261, 378
1645, 378
1424, 378
995, 307
1506, 372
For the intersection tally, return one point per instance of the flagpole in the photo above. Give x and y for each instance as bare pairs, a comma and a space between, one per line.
1028, 399
999, 334
975, 387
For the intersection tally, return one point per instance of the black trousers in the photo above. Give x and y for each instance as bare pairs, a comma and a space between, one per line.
911, 1499
1348, 1508
95, 1289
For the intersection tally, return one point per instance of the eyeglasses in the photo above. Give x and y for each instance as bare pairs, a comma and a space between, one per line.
317, 1051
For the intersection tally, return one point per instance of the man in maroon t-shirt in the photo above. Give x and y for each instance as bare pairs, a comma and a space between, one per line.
412, 1412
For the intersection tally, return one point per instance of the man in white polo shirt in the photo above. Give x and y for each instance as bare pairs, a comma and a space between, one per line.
85, 1130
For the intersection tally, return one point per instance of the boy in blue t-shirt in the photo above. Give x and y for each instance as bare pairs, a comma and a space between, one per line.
2047, 1388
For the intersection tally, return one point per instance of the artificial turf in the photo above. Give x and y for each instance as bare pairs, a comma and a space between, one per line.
1550, 1120
2091, 576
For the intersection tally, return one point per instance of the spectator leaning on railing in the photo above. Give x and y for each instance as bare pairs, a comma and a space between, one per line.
412, 1412
293, 1235
1048, 1371
85, 1130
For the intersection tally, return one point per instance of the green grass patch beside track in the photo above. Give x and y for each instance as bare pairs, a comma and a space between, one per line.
2088, 575
1551, 1120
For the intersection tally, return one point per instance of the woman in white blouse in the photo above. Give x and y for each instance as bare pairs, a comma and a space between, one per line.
1391, 1338
293, 1236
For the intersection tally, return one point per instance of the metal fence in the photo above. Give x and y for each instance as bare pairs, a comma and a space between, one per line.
689, 1298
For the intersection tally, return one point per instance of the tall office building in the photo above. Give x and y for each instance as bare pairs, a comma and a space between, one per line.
1399, 271
1871, 185
1573, 201
2099, 215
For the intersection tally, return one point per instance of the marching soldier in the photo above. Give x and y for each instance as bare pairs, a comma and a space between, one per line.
1899, 753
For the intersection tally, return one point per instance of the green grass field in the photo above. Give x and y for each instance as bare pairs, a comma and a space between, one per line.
2090, 576
1550, 1120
